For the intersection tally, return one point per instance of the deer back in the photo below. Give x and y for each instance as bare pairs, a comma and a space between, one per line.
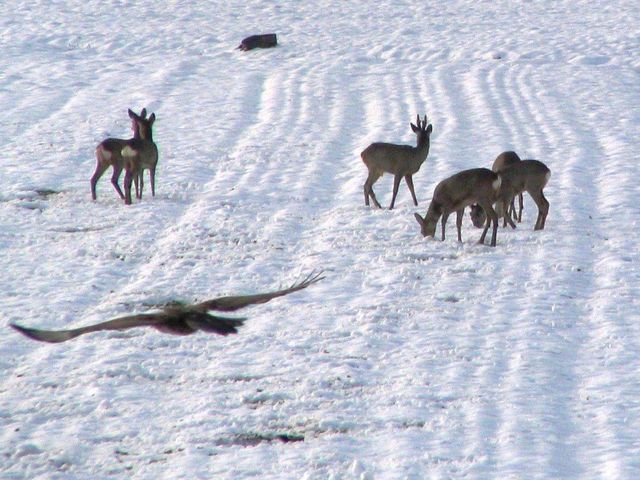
504, 160
467, 187
524, 176
400, 159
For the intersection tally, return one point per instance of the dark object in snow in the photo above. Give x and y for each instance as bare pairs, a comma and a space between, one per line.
266, 40
253, 439
176, 318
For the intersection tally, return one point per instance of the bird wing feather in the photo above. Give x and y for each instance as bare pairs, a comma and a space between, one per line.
236, 302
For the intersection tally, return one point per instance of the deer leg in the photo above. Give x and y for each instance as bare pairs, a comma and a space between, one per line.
128, 179
543, 208
136, 183
152, 180
368, 189
445, 216
459, 216
117, 170
507, 214
396, 185
100, 169
409, 180
521, 202
492, 218
140, 179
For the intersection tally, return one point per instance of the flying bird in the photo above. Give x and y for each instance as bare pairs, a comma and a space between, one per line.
176, 318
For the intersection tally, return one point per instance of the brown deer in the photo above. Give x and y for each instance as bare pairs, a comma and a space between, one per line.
502, 161
108, 154
400, 160
140, 154
453, 194
529, 176
176, 318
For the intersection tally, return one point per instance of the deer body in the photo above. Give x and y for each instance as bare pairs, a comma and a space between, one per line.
502, 161
109, 154
453, 194
529, 176
140, 154
400, 160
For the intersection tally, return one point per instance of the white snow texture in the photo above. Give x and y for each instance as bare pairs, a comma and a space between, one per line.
414, 358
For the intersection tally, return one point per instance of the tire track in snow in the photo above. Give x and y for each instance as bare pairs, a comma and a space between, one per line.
609, 338
578, 186
501, 410
515, 104
542, 355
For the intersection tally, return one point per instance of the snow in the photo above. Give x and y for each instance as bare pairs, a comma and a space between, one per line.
414, 358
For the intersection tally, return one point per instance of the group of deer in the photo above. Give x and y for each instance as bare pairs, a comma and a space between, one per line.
478, 188
133, 156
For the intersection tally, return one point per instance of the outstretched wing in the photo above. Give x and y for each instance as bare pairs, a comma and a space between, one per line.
175, 318
176, 321
121, 323
231, 303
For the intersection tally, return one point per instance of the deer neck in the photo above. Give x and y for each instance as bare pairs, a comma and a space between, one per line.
146, 136
422, 150
434, 212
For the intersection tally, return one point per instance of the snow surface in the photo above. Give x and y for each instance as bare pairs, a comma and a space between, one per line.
414, 358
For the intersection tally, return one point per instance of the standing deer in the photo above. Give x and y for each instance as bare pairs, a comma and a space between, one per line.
529, 176
108, 154
400, 160
139, 154
502, 161
453, 194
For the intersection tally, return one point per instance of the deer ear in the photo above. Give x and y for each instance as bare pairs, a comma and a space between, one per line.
152, 118
430, 129
419, 218
132, 114
414, 128
143, 113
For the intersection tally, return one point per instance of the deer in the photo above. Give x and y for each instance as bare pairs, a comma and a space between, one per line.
453, 194
399, 160
529, 176
140, 154
502, 161
108, 154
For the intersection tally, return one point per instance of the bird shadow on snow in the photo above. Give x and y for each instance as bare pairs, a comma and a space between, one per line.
36, 199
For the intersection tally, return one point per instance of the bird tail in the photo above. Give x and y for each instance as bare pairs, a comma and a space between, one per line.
213, 324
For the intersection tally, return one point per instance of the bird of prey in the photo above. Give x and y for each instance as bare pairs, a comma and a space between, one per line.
176, 318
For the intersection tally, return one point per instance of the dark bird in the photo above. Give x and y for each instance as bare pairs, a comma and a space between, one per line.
176, 318
265, 40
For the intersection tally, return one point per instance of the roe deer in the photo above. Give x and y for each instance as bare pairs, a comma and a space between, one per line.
529, 176
176, 318
139, 154
453, 194
108, 154
400, 160
502, 161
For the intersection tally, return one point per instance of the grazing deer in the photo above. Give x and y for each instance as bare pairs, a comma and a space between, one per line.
400, 160
176, 318
529, 176
139, 154
453, 194
108, 154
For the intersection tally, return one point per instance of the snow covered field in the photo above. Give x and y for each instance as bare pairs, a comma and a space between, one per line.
414, 358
